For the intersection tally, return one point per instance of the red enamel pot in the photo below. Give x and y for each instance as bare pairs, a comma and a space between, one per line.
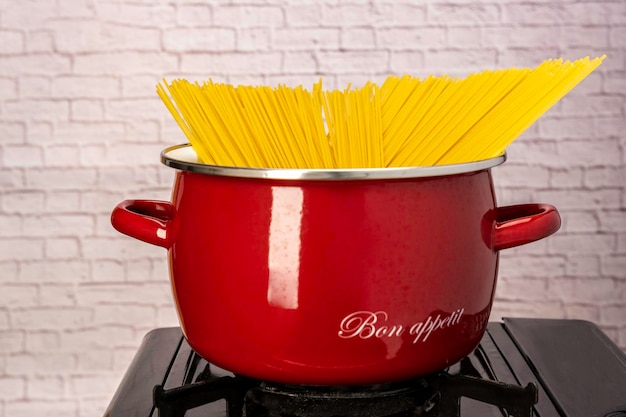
341, 277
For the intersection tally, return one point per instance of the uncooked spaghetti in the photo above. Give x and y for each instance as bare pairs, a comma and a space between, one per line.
406, 121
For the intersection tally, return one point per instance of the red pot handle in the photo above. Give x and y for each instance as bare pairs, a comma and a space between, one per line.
524, 223
151, 221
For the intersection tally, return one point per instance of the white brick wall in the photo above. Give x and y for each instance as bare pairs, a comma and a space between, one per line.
81, 129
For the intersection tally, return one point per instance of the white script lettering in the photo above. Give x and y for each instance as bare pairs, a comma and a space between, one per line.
423, 329
362, 324
368, 324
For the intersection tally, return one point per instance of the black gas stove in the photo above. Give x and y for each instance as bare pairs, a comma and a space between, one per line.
522, 368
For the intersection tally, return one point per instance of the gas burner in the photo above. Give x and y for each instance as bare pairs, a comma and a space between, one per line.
522, 368
395, 399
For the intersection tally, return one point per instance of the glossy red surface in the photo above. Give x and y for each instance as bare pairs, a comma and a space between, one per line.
334, 282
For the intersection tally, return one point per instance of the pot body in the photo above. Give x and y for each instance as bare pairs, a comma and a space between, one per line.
333, 282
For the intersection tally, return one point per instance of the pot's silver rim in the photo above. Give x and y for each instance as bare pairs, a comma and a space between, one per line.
184, 158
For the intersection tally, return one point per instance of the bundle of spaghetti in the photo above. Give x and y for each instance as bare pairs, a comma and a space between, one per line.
530, 98
407, 121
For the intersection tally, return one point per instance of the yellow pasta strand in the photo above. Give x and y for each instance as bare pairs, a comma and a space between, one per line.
406, 121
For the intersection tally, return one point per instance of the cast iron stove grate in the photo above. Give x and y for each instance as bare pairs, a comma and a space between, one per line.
437, 395
522, 368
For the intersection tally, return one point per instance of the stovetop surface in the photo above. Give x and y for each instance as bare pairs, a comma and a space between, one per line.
573, 369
